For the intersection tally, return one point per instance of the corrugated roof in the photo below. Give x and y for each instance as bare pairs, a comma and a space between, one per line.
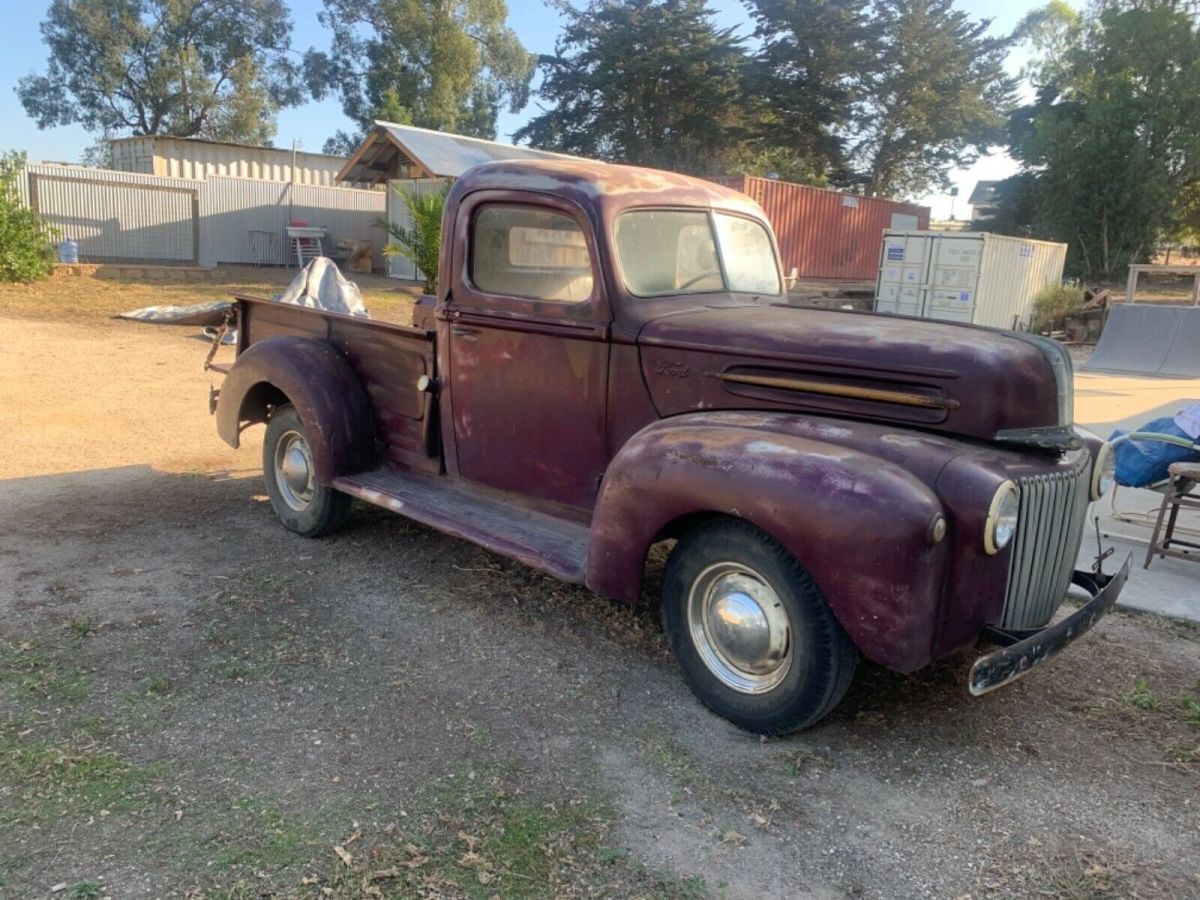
985, 194
196, 140
438, 154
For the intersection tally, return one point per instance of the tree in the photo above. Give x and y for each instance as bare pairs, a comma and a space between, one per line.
449, 65
886, 96
807, 76
1111, 144
1050, 32
936, 97
190, 68
422, 242
650, 82
25, 251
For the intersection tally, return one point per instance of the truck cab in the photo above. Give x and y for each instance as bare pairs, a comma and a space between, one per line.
611, 362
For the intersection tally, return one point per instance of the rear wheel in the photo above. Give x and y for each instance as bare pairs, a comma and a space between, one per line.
302, 505
754, 639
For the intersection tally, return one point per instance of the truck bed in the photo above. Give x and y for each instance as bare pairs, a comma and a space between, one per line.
387, 358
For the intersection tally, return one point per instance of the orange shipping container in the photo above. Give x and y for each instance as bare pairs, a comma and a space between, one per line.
827, 234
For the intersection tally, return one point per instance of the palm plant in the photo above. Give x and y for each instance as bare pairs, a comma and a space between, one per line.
422, 241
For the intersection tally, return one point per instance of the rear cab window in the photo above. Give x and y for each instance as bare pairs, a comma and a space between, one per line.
531, 253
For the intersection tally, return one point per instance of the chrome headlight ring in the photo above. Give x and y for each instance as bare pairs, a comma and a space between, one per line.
1001, 523
1104, 471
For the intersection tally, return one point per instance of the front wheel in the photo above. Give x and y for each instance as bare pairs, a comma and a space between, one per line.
754, 639
302, 505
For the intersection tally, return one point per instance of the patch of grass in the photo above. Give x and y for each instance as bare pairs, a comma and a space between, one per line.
151, 699
1189, 702
472, 834
88, 299
1082, 876
256, 836
235, 668
30, 673
214, 635
49, 781
801, 762
1141, 696
658, 748
92, 727
156, 685
81, 626
86, 890
663, 885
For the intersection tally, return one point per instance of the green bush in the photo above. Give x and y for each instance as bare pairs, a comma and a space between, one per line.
422, 242
26, 252
1053, 303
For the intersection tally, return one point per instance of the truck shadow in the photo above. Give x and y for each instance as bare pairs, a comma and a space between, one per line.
126, 543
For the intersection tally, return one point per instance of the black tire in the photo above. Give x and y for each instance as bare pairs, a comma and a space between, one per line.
820, 660
314, 510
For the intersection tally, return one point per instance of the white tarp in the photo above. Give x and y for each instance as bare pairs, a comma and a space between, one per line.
320, 285
196, 314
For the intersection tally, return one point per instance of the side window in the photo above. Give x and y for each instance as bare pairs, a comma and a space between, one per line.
522, 251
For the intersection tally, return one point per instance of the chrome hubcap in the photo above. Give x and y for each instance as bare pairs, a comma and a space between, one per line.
740, 628
294, 470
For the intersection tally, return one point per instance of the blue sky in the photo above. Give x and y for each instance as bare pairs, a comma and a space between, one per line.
311, 124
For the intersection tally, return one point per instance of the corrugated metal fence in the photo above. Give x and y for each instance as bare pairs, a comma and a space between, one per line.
827, 234
123, 216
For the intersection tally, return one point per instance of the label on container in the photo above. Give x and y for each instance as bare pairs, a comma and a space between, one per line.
850, 200
1026, 251
896, 252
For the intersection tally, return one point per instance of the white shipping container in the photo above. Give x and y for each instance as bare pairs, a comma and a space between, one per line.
195, 158
965, 276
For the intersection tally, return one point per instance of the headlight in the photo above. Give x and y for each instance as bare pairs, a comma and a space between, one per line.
1104, 471
1001, 522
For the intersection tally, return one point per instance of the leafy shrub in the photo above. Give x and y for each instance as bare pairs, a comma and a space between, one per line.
422, 243
1053, 303
25, 249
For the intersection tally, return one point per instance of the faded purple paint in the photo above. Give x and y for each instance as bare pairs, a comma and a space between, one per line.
852, 349
536, 402
318, 381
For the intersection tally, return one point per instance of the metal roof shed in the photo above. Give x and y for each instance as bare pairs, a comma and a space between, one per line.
394, 151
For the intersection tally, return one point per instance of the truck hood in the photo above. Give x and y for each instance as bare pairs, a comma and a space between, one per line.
963, 380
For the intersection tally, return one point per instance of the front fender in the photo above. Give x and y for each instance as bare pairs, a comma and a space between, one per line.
319, 383
858, 523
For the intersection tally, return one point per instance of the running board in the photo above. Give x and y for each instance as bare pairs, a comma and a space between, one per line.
553, 545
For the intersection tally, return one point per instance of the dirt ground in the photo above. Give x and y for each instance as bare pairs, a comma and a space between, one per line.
196, 703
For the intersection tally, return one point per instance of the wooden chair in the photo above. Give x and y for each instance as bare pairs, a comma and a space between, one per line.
1179, 494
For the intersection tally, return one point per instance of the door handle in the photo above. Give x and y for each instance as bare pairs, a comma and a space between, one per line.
464, 331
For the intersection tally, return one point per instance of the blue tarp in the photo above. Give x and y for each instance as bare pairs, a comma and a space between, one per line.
1141, 463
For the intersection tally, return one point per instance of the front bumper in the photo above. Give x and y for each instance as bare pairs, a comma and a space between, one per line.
1024, 652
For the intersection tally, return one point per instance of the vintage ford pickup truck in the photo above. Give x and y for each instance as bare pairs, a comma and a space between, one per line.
611, 362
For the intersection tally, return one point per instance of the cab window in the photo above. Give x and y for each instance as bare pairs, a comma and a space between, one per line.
523, 251
680, 251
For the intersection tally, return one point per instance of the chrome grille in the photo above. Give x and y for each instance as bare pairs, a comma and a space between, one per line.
1050, 526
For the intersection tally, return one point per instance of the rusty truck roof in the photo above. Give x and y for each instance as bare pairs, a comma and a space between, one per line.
608, 188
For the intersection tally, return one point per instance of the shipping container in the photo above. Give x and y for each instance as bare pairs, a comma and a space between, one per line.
968, 276
827, 234
173, 157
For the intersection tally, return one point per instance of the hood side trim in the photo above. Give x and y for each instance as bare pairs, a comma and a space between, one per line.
902, 398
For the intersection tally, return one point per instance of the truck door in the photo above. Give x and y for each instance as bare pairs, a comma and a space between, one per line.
528, 339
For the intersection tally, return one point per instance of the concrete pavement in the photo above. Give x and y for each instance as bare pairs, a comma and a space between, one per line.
1103, 403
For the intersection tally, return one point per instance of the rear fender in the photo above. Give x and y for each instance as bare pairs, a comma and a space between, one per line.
858, 524
319, 383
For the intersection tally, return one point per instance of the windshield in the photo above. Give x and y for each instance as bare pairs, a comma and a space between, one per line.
676, 251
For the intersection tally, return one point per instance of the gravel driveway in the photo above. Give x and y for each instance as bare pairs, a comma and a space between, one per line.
196, 703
